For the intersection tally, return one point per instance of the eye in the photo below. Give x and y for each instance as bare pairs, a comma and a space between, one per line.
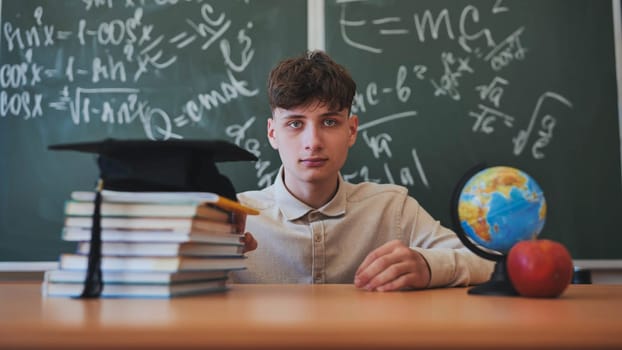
295, 124
330, 122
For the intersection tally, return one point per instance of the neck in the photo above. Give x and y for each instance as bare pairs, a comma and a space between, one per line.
313, 194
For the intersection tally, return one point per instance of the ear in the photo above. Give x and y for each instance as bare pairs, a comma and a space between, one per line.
271, 134
353, 126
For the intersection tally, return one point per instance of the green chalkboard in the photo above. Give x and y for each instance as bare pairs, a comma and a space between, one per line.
84, 70
446, 85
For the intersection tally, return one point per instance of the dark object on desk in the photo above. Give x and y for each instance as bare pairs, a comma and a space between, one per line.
581, 276
145, 165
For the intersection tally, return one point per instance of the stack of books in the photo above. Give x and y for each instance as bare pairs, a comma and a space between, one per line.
154, 244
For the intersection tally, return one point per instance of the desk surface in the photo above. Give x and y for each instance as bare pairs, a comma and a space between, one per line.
314, 316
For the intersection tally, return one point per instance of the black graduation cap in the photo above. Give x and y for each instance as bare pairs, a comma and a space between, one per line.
171, 165
146, 165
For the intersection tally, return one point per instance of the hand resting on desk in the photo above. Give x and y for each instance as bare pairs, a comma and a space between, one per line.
393, 266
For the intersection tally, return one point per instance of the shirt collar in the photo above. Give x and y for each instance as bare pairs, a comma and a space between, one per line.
294, 209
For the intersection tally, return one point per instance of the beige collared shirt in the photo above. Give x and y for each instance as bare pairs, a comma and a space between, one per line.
300, 244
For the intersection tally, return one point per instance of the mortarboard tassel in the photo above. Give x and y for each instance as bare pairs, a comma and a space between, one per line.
93, 283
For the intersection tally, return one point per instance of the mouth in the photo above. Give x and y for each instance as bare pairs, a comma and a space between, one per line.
313, 162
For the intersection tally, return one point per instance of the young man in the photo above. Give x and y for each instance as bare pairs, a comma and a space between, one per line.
316, 228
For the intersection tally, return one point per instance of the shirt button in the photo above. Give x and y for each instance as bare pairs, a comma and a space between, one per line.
318, 238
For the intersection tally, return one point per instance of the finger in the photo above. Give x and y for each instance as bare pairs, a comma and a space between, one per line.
250, 243
387, 274
377, 266
375, 254
405, 281
239, 220
414, 273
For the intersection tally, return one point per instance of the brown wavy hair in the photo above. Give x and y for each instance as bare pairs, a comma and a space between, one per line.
309, 78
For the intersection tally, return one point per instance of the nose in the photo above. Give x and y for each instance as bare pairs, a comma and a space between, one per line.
312, 138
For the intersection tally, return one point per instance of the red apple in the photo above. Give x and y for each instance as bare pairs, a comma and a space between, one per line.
539, 268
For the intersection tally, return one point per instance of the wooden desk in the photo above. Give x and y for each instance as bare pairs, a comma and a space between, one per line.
314, 316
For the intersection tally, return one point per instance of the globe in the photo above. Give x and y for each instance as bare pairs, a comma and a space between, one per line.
500, 206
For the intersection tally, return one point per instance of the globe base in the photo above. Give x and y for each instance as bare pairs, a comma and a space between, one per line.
499, 283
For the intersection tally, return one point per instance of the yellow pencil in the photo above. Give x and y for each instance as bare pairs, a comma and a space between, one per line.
229, 204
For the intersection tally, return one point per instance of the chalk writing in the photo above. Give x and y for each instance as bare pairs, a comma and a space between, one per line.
158, 69
380, 145
453, 70
237, 132
547, 125
487, 116
111, 66
372, 93
134, 49
471, 74
493, 91
507, 51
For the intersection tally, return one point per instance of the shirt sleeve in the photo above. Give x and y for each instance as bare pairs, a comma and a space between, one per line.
450, 262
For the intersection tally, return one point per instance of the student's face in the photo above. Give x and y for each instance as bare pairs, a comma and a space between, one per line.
312, 141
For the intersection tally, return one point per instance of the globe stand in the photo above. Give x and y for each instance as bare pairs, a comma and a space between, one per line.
499, 283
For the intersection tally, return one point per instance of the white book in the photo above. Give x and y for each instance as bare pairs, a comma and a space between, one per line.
145, 197
73, 234
136, 277
182, 210
173, 224
165, 197
164, 249
159, 264
52, 289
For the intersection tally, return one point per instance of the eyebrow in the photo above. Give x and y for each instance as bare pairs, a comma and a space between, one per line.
327, 114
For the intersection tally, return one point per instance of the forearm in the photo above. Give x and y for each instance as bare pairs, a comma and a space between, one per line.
450, 267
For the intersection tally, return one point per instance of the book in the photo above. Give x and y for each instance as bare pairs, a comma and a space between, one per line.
164, 249
153, 223
182, 210
178, 236
160, 264
166, 197
136, 277
54, 289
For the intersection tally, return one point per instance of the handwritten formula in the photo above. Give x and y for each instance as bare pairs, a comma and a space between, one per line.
465, 57
161, 69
